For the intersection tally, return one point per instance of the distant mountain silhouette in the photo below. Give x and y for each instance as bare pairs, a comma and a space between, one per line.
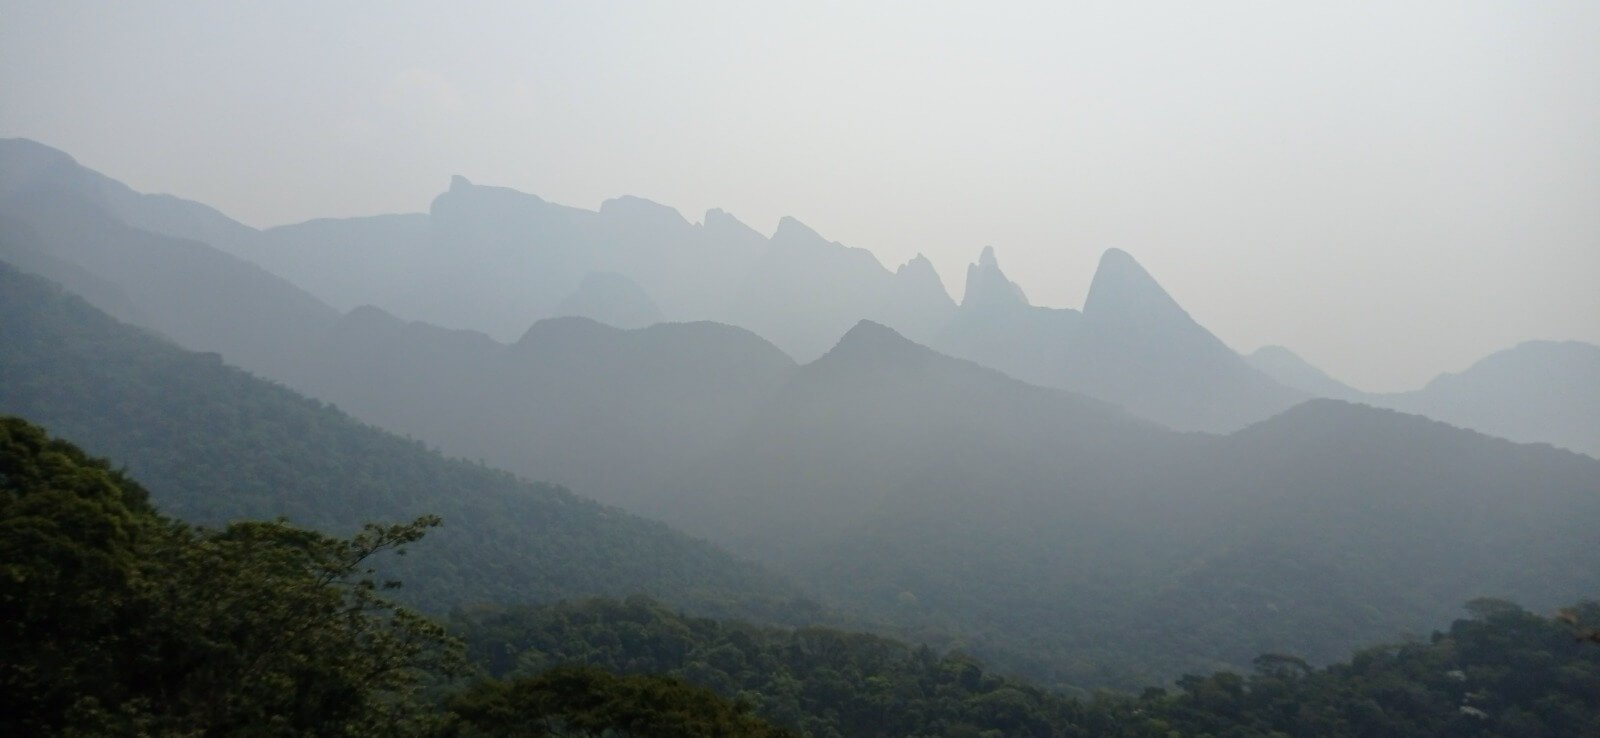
198, 296
1288, 369
805, 291
996, 327
1545, 391
30, 166
1139, 349
1132, 345
603, 410
611, 299
1534, 392
345, 262
496, 260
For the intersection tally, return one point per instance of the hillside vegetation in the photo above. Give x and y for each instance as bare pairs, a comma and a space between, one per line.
215, 444
121, 621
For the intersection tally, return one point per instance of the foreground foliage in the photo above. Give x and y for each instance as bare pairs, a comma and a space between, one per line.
116, 620
119, 620
1503, 672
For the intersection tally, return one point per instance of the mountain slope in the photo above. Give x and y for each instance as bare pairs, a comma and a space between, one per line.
611, 299
1132, 345
1139, 349
1538, 391
607, 411
995, 326
27, 166
213, 443
940, 494
1288, 369
345, 262
1519, 673
201, 297
1534, 392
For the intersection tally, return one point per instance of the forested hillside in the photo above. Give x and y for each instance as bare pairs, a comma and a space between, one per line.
944, 495
935, 497
118, 620
1504, 671
215, 444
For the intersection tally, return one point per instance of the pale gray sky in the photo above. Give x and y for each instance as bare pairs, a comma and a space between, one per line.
1390, 189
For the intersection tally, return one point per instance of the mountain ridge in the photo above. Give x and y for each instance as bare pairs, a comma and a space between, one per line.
702, 272
213, 443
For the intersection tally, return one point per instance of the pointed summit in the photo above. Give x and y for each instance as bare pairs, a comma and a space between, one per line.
1123, 290
919, 266
869, 333
1138, 348
721, 222
987, 286
919, 274
458, 182
791, 229
876, 343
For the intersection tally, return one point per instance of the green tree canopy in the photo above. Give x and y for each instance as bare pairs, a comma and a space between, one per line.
118, 620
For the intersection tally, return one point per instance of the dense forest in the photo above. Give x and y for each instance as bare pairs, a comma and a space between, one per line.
121, 621
1503, 671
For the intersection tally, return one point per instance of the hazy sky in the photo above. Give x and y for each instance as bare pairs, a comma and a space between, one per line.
1390, 189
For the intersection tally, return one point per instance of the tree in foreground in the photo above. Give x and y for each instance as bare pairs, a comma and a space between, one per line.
117, 620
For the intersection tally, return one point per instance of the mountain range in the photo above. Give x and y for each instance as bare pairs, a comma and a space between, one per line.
494, 260
1024, 477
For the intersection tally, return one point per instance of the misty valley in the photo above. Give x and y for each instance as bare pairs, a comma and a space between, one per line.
508, 467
